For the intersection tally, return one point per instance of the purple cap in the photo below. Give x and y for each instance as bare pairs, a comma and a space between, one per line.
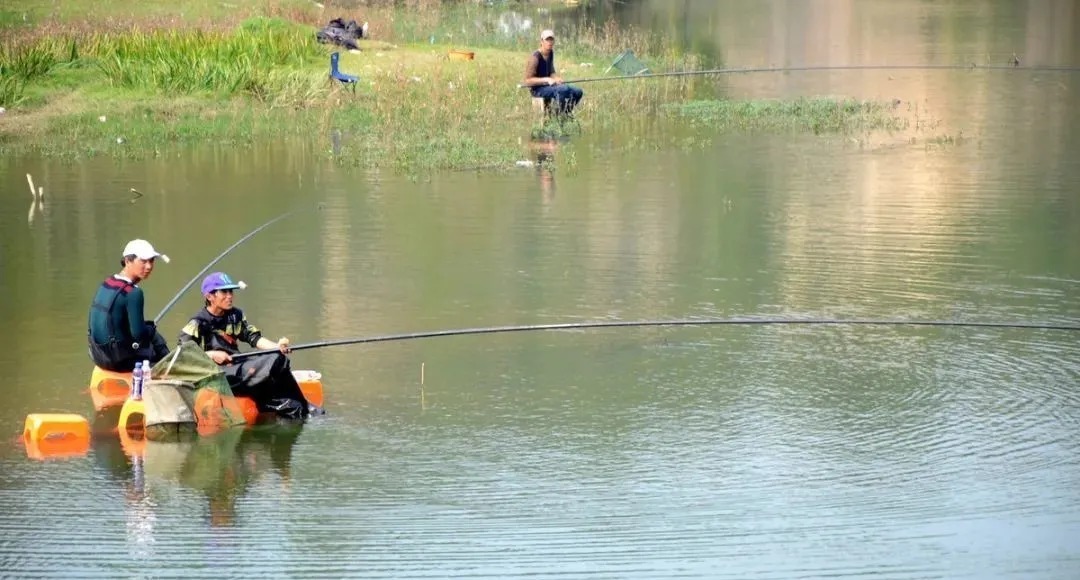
218, 281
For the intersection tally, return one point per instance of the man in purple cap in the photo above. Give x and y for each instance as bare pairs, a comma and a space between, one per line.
219, 328
118, 334
542, 80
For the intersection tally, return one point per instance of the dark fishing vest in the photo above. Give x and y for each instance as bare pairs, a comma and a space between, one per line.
117, 352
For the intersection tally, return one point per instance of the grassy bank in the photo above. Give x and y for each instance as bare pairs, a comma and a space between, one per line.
158, 80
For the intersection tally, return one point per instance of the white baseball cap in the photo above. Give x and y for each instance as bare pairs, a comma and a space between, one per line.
546, 34
143, 250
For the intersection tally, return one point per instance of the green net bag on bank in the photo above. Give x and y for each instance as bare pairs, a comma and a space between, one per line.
188, 392
628, 64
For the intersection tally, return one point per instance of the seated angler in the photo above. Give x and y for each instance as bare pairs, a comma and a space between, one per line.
218, 329
543, 81
119, 336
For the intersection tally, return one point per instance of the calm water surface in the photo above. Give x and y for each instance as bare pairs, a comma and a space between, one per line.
765, 452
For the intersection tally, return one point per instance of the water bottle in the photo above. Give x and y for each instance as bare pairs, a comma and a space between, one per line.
136, 382
144, 376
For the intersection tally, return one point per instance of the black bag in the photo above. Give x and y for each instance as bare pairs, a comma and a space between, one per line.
112, 356
286, 408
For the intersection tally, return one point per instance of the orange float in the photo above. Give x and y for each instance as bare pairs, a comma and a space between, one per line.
109, 388
48, 435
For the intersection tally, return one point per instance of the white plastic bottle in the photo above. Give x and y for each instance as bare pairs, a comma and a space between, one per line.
136, 382
144, 376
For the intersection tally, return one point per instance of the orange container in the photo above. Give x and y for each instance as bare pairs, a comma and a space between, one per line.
42, 426
311, 386
215, 412
56, 435
132, 416
456, 54
109, 388
56, 448
250, 410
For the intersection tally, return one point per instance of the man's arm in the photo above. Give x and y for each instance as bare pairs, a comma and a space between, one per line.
257, 340
140, 331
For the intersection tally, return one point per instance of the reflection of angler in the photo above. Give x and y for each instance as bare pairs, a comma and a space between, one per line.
223, 466
544, 150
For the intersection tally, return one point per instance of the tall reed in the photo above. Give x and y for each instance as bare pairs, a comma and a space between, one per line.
249, 61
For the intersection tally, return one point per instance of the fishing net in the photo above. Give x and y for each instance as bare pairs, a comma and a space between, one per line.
628, 64
188, 392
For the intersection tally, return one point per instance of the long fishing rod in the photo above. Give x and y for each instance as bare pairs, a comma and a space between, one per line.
722, 71
215, 261
682, 322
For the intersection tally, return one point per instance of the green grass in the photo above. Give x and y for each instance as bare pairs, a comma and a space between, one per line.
817, 115
33, 13
166, 82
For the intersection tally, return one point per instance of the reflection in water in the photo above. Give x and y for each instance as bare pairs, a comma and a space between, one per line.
644, 454
37, 200
222, 468
335, 142
37, 206
543, 151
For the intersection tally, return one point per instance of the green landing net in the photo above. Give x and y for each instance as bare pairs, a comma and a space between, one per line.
188, 391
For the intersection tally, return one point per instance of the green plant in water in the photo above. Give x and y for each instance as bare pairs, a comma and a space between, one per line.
555, 127
818, 115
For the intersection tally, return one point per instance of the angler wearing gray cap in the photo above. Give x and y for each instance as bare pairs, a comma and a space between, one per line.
118, 334
544, 82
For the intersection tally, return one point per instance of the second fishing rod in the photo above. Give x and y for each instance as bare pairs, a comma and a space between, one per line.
749, 321
217, 259
789, 69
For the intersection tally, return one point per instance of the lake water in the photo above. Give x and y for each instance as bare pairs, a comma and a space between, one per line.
717, 452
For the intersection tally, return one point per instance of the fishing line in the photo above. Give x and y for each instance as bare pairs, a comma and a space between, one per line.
682, 322
215, 261
722, 71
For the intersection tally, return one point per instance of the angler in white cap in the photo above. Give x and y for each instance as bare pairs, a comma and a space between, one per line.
119, 335
543, 81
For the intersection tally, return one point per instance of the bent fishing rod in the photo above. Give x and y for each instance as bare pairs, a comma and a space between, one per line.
677, 322
215, 261
724, 71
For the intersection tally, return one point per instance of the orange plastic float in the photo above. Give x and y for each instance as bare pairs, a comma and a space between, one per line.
311, 386
109, 388
250, 410
132, 416
56, 435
